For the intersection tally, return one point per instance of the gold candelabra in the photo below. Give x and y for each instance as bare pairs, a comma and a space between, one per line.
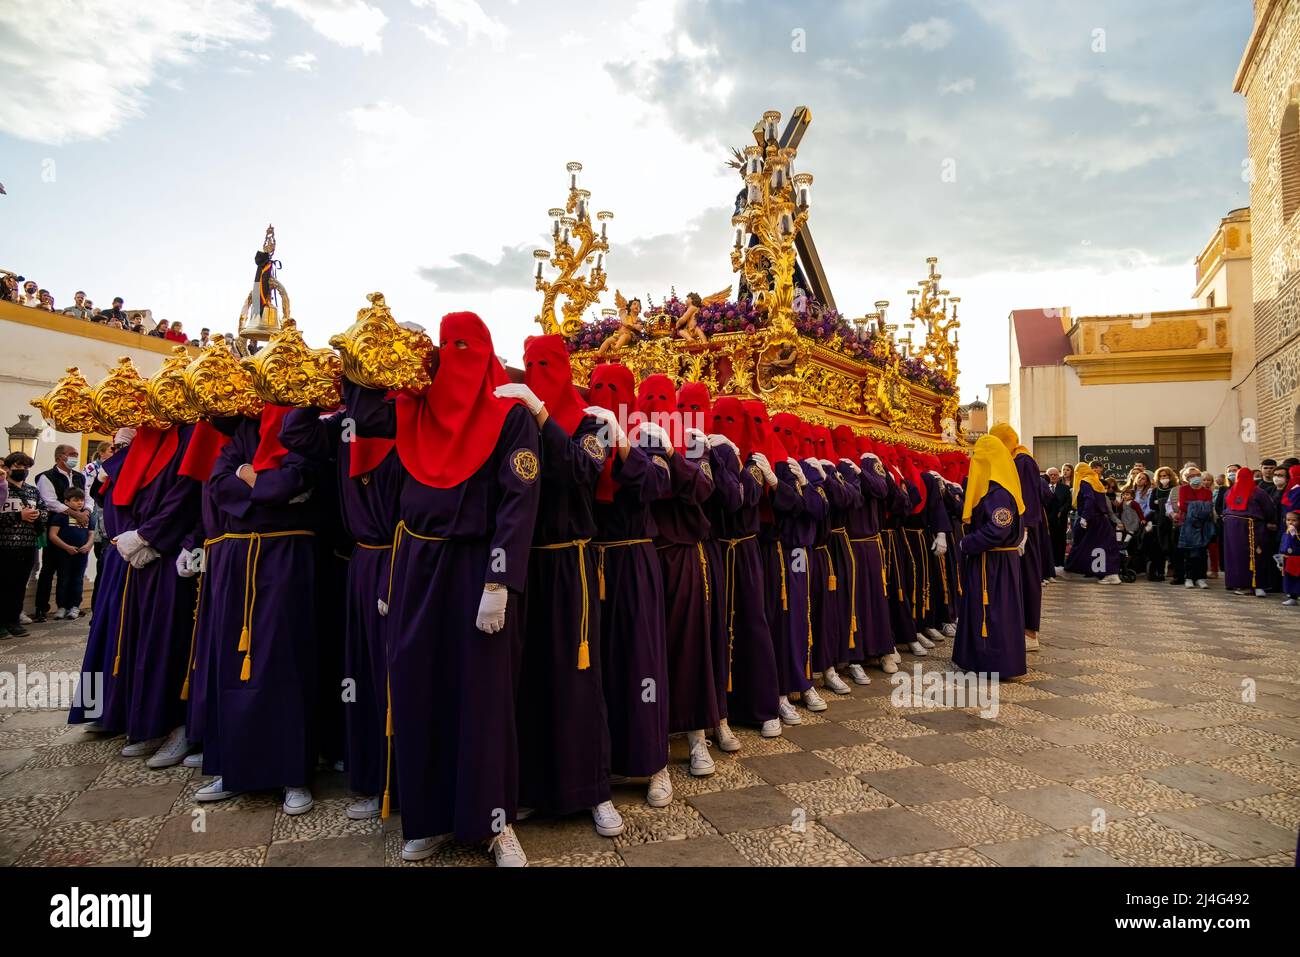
775, 209
930, 307
577, 246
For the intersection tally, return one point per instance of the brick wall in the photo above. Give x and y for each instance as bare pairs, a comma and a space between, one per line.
1270, 85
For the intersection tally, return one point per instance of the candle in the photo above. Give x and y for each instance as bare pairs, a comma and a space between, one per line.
602, 231
539, 269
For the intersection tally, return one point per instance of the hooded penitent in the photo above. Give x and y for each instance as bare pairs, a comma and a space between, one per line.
846, 447
865, 445
729, 419
1005, 434
824, 443
547, 373
763, 437
656, 399
694, 405
1243, 487
206, 443
1085, 475
612, 387
909, 463
146, 457
991, 462
785, 426
446, 433
807, 444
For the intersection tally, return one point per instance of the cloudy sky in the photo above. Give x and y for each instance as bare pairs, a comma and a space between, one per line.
1050, 153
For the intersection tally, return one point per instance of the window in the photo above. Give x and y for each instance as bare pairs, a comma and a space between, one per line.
1209, 301
1055, 450
1178, 445
1288, 155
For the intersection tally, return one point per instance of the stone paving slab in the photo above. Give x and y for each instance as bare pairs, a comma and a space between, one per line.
1169, 745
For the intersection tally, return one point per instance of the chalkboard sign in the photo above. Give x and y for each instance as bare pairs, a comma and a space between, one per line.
1115, 461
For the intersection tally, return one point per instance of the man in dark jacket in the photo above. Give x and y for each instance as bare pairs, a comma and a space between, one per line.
1058, 515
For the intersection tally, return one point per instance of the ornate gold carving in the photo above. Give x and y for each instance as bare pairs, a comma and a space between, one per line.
166, 390
287, 372
379, 354
570, 224
68, 407
121, 399
218, 386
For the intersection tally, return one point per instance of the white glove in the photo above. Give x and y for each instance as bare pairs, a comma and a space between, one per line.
851, 464
940, 546
765, 467
1023, 538
517, 390
1083, 523
183, 564
612, 433
653, 430
799, 478
817, 465
300, 497
492, 610
128, 543
715, 440
697, 443
143, 556
198, 561
1148, 526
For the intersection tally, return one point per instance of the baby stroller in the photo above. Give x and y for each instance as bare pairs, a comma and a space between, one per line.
1132, 560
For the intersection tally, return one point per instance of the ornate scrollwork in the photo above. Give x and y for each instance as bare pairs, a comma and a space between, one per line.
287, 372
68, 407
218, 386
379, 354
166, 390
121, 399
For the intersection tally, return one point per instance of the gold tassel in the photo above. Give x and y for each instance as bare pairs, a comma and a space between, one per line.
246, 671
388, 729
780, 554
117, 663
600, 572
830, 582
387, 805
185, 688
584, 656
243, 640
853, 630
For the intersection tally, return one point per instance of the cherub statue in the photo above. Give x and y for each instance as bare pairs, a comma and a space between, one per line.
686, 327
630, 326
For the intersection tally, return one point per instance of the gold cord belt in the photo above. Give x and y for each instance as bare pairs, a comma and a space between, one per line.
984, 584
853, 584
880, 547
254, 540
780, 561
830, 567
925, 572
729, 564
600, 558
121, 619
584, 649
194, 634
1250, 539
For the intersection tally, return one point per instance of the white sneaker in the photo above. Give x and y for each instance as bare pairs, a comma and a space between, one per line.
660, 791
609, 823
138, 749
1060, 569
366, 809
214, 791
193, 760
701, 763
59, 615
94, 727
771, 728
788, 714
924, 640
1202, 583
832, 680
859, 674
917, 649
896, 657
726, 738
422, 847
813, 701
173, 750
1259, 592
74, 612
1031, 644
297, 800
507, 850
950, 630
1114, 580
24, 618
1290, 601
934, 634
888, 665
1186, 584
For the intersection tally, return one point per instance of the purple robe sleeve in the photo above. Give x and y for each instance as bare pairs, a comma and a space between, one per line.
568, 457
728, 488
872, 478
936, 513
311, 435
645, 472
512, 537
985, 532
852, 484
689, 482
373, 413
786, 498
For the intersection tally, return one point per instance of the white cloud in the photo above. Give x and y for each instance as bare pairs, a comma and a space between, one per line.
306, 62
964, 85
349, 23
391, 136
932, 34
465, 15
73, 77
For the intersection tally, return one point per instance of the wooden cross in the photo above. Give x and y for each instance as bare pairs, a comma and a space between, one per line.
814, 273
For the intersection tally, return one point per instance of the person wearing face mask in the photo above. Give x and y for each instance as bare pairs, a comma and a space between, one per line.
1166, 560
22, 519
52, 484
1195, 526
1247, 508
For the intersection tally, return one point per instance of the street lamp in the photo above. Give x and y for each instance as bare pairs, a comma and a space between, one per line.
23, 435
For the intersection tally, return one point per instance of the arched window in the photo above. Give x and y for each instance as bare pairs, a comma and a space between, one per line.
1288, 147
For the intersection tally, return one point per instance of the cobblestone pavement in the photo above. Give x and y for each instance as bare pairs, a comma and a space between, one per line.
1135, 741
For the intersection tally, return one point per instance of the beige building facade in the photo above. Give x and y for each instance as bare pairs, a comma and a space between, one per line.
1269, 79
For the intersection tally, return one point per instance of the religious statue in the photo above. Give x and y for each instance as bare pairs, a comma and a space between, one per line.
686, 327
630, 327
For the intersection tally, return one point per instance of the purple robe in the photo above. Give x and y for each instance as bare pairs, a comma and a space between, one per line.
797, 534
563, 728
633, 644
1031, 576
102, 646
259, 615
990, 629
899, 564
368, 509
160, 613
1244, 542
833, 621
1097, 539
870, 607
743, 638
